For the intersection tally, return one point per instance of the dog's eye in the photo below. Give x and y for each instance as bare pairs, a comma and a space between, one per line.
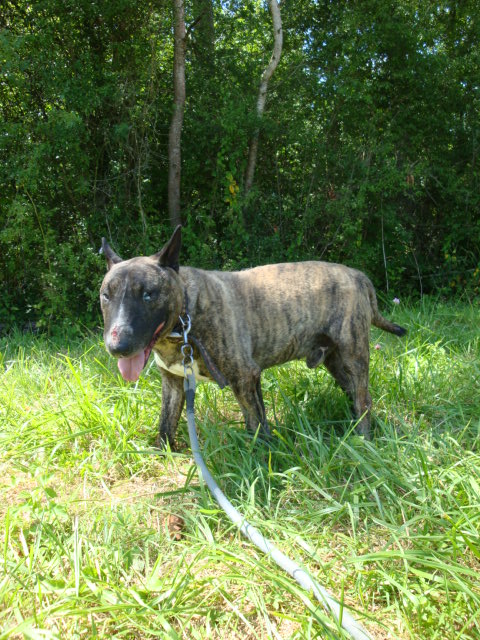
105, 297
147, 296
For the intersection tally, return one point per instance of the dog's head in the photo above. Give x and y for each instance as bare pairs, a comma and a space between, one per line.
141, 300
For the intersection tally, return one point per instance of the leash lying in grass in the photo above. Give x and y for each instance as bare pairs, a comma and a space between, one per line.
344, 618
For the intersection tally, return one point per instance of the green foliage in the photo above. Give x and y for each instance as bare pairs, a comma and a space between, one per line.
368, 148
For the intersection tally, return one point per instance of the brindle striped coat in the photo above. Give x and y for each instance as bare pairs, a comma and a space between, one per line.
247, 321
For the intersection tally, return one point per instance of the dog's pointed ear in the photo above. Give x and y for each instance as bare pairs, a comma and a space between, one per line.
109, 254
170, 254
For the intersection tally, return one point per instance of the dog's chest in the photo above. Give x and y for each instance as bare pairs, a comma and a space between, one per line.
169, 358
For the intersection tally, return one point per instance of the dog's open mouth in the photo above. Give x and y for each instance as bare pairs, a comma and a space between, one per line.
132, 367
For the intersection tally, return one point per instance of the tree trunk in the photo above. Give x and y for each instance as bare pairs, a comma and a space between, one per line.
262, 94
203, 40
175, 133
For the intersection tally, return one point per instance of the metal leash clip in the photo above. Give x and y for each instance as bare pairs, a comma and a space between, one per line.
186, 323
187, 353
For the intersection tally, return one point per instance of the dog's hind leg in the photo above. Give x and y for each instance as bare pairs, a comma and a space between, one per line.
248, 392
351, 373
173, 399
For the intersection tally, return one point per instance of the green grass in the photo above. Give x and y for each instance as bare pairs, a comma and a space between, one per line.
390, 526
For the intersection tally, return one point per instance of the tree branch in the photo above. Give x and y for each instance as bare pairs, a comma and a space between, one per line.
262, 93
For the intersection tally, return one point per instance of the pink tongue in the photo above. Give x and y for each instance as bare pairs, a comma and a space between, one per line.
131, 368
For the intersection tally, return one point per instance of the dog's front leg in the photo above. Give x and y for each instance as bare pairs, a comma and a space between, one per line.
173, 399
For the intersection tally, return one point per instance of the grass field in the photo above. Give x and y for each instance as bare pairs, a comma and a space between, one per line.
390, 527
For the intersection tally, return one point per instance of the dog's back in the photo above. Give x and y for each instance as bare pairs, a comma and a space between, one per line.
278, 311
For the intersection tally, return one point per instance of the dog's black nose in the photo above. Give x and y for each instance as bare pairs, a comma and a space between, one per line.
121, 350
119, 341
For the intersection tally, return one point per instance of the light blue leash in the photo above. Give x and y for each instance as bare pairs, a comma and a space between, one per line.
345, 619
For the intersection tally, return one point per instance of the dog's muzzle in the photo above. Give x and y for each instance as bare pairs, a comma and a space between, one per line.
119, 341
130, 363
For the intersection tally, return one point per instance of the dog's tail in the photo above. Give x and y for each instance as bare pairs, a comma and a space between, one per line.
378, 320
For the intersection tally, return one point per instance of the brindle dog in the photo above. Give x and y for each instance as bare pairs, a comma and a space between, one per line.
243, 322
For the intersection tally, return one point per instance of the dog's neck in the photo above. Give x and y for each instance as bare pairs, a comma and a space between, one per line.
177, 335
177, 331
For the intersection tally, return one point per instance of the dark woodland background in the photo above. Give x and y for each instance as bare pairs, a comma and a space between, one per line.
368, 148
